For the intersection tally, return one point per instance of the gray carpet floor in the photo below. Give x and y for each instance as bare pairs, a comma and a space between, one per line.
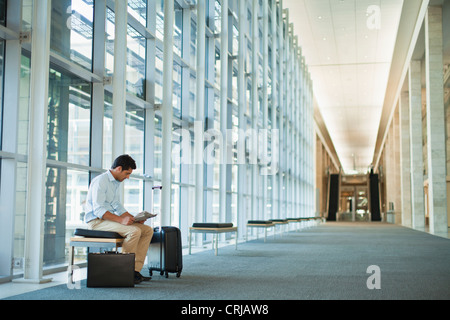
328, 262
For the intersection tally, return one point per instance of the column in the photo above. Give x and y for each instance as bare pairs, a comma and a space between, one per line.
389, 168
8, 166
98, 91
281, 97
275, 106
265, 169
167, 113
200, 111
37, 152
242, 167
255, 109
149, 147
223, 109
405, 160
397, 167
434, 75
119, 78
415, 133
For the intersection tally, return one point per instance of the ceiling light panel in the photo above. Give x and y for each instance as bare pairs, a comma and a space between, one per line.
350, 68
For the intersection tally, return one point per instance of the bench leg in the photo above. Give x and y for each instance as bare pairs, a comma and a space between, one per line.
72, 261
217, 243
236, 237
190, 239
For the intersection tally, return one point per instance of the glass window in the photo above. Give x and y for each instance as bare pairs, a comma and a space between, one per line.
27, 14
193, 50
69, 118
20, 214
175, 210
21, 169
66, 192
217, 61
109, 42
136, 44
157, 156
134, 195
24, 106
72, 30
138, 9
176, 141
159, 61
217, 17
160, 19
178, 29
177, 105
192, 98
134, 135
107, 131
136, 51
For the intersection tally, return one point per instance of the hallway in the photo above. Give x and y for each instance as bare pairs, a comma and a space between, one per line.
328, 262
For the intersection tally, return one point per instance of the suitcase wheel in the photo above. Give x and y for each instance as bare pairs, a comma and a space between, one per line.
178, 274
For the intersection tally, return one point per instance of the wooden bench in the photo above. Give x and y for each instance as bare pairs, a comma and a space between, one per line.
266, 224
309, 219
93, 239
215, 229
295, 220
280, 222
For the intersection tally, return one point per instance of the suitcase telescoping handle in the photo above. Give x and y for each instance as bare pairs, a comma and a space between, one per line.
157, 190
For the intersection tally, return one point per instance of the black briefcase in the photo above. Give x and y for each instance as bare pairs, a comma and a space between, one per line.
110, 269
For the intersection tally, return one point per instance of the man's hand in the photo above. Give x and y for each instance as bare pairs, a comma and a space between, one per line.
127, 219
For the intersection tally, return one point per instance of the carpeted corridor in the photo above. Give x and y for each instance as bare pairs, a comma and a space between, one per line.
327, 262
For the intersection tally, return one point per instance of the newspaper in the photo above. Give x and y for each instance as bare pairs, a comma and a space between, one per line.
144, 215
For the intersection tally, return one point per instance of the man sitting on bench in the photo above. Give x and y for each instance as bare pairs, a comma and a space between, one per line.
104, 212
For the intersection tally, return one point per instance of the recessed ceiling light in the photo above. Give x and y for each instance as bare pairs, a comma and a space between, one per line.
319, 17
324, 39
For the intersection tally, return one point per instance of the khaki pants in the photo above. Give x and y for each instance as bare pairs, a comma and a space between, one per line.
137, 238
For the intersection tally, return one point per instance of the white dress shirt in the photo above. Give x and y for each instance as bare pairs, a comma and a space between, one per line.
103, 196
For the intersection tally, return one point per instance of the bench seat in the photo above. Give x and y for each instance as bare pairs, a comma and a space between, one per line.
260, 224
214, 228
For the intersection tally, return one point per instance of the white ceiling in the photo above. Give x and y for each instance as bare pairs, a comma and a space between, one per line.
349, 61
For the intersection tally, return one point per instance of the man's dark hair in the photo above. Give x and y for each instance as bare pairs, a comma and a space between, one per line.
124, 161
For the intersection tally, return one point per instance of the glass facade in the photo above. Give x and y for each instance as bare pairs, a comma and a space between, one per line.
240, 91
72, 26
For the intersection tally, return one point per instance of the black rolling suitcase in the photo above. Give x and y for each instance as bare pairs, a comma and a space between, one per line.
165, 251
